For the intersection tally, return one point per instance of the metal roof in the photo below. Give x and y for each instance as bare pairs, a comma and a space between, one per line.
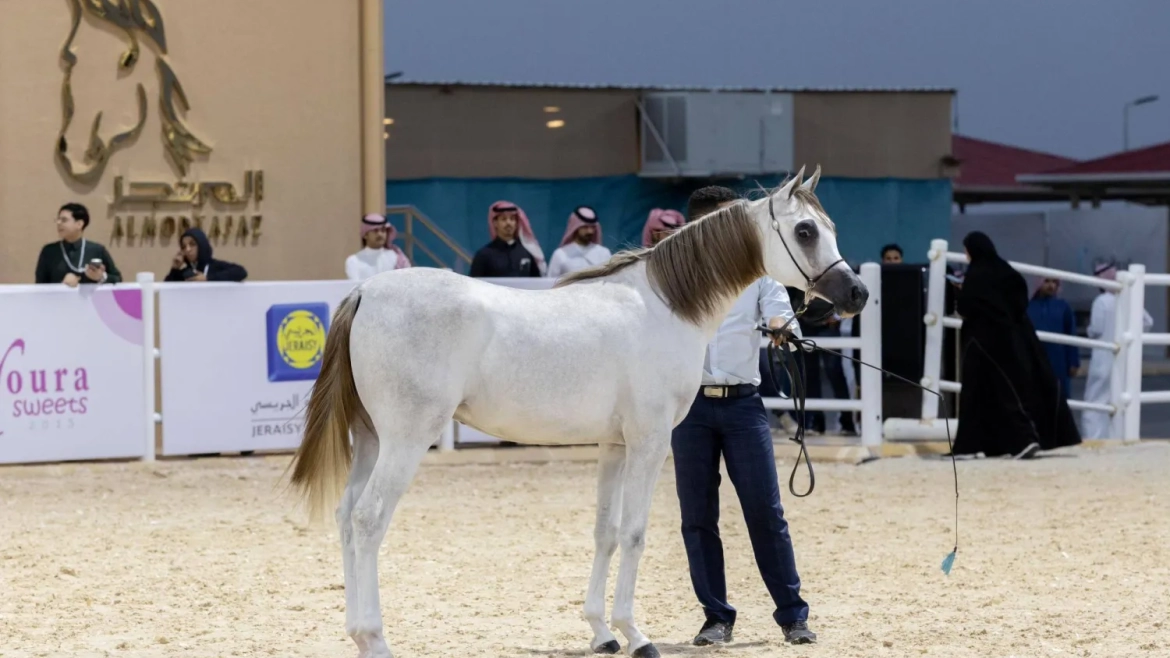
984, 163
1144, 164
633, 87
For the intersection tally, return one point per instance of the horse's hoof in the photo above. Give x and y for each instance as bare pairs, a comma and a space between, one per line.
647, 651
610, 647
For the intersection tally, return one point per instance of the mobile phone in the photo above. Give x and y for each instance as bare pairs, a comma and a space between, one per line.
96, 262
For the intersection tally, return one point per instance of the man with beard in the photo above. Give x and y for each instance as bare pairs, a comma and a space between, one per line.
513, 250
580, 247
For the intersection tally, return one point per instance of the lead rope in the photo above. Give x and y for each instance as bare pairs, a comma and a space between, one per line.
796, 373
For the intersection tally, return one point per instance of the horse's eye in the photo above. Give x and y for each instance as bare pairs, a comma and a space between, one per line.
805, 231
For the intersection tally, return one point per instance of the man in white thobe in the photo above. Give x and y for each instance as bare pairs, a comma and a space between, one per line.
581, 245
378, 253
1097, 424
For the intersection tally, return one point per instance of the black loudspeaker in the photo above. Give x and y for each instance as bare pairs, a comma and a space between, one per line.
903, 307
903, 338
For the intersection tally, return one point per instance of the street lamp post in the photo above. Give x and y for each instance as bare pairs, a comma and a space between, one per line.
1125, 117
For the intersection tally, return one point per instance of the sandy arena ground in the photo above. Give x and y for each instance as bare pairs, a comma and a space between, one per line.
1063, 556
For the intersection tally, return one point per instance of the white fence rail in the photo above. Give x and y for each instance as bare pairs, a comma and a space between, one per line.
81, 368
1125, 378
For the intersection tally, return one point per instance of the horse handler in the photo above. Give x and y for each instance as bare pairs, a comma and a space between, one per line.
728, 418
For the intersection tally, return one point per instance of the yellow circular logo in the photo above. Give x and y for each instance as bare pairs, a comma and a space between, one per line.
300, 339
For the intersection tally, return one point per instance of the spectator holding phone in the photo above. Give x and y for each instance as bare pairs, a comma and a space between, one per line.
73, 259
194, 261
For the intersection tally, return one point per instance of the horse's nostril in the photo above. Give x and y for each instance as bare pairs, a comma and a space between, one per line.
855, 294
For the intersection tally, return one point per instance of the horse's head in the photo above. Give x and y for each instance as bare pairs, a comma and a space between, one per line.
131, 17
800, 245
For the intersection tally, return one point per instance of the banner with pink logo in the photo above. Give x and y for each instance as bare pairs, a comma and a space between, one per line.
71, 373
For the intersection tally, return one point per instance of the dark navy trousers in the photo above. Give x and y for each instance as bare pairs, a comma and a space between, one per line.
737, 430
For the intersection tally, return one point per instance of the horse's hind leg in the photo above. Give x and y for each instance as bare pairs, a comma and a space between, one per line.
605, 536
365, 454
402, 443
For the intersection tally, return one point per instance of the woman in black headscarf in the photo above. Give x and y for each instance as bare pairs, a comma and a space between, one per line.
1010, 403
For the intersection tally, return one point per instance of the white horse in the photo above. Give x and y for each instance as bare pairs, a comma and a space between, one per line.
408, 350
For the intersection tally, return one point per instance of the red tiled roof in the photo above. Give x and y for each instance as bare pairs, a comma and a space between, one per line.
1138, 161
990, 164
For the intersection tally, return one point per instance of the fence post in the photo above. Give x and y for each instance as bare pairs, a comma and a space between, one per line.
1120, 358
871, 352
935, 309
1135, 327
146, 284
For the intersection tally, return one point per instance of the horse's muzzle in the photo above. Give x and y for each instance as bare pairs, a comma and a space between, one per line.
842, 288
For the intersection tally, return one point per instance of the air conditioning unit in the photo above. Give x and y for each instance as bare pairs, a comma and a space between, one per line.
713, 133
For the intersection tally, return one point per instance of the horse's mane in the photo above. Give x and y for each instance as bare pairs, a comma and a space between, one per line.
696, 266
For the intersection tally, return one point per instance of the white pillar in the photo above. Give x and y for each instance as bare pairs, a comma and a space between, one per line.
1120, 321
935, 308
1135, 327
871, 353
146, 284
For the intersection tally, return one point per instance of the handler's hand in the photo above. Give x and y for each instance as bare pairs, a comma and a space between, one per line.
782, 337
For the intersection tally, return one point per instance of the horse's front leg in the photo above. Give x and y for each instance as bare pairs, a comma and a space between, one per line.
644, 459
610, 461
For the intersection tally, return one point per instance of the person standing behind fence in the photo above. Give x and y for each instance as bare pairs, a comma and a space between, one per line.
513, 251
660, 224
73, 259
378, 253
1051, 313
1097, 424
580, 247
194, 261
1009, 403
728, 418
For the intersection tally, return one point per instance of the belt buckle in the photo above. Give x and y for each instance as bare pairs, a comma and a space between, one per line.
715, 391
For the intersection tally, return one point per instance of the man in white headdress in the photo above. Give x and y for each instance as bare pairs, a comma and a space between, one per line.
378, 253
1096, 424
581, 247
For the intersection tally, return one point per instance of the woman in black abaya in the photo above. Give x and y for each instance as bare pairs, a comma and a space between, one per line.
1010, 403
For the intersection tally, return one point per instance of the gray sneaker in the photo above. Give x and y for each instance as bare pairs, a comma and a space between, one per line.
713, 632
797, 633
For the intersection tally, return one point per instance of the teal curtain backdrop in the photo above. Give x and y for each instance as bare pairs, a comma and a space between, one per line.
868, 212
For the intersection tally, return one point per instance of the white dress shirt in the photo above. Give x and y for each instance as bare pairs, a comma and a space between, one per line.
574, 257
368, 262
733, 355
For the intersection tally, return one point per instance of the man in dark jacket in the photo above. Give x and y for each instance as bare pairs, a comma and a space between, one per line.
194, 261
506, 255
74, 259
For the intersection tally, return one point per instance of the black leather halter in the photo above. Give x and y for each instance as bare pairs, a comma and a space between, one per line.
811, 282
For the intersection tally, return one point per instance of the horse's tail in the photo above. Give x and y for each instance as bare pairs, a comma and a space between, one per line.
321, 464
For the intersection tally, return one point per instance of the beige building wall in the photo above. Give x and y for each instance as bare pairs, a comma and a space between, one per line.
273, 87
873, 135
500, 132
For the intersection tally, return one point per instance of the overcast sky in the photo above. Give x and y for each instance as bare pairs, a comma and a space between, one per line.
1046, 74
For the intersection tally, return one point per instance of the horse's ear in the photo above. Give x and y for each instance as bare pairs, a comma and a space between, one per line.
790, 187
811, 183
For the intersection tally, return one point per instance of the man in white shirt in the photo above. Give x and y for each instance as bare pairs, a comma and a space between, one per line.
580, 248
728, 418
378, 253
1097, 424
